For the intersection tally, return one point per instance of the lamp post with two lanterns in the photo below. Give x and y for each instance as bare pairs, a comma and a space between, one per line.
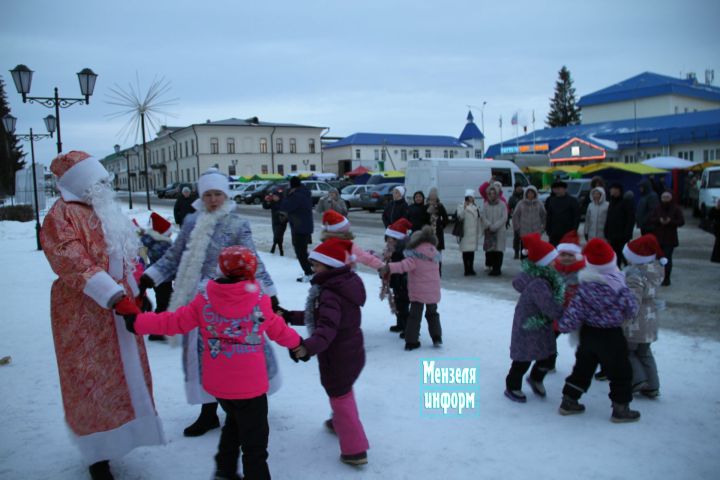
22, 77
9, 123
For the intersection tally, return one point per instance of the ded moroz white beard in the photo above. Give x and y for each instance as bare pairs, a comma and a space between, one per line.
119, 233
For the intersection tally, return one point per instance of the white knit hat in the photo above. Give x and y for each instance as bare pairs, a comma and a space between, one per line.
212, 179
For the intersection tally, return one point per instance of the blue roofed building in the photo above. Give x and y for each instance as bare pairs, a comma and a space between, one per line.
645, 116
472, 136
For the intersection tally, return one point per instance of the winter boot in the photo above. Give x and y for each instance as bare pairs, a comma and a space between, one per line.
600, 376
208, 420
329, 425
437, 341
516, 395
101, 471
650, 393
411, 345
156, 338
282, 252
356, 459
396, 328
537, 387
570, 406
223, 476
639, 387
622, 414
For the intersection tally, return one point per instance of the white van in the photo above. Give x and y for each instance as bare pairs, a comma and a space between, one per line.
709, 190
452, 176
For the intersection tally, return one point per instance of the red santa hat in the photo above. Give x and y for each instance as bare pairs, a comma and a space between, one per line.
335, 222
238, 262
644, 249
538, 250
600, 256
159, 224
399, 229
76, 172
333, 252
570, 243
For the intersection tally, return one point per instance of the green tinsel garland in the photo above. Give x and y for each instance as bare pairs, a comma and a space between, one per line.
557, 284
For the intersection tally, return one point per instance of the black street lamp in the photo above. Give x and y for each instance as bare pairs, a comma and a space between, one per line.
22, 77
144, 149
126, 154
9, 123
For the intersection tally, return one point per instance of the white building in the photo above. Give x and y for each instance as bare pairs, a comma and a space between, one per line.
236, 147
390, 151
649, 95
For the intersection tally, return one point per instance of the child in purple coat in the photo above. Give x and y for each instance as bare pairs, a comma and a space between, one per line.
602, 304
332, 315
541, 299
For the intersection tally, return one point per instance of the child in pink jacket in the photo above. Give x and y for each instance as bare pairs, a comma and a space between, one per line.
422, 262
233, 316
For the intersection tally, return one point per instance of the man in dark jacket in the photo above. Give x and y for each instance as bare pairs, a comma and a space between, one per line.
563, 212
646, 206
396, 209
183, 206
620, 221
298, 207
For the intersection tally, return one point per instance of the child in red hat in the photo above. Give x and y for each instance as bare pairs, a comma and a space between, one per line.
643, 275
336, 225
332, 315
541, 297
395, 285
602, 304
233, 316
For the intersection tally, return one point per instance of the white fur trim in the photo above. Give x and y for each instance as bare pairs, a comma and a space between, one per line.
394, 234
607, 268
663, 261
102, 288
325, 260
400, 189
547, 259
636, 259
213, 180
470, 193
80, 177
569, 247
338, 226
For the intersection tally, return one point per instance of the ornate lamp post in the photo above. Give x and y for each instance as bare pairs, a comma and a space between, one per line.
9, 123
22, 77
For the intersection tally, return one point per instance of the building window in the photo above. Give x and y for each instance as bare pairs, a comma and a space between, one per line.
478, 153
428, 154
357, 154
231, 145
403, 155
279, 145
162, 153
214, 146
231, 169
194, 177
445, 154
377, 155
452, 153
293, 167
186, 149
281, 169
263, 169
312, 167
467, 154
382, 154
263, 146
293, 146
416, 154
311, 145
192, 146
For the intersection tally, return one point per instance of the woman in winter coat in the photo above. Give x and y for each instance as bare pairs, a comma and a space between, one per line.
529, 215
643, 275
596, 214
494, 217
397, 208
469, 213
665, 221
438, 220
417, 212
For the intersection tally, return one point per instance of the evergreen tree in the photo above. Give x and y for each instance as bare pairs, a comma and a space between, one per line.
11, 156
563, 110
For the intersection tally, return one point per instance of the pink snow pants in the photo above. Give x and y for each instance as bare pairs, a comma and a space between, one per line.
347, 425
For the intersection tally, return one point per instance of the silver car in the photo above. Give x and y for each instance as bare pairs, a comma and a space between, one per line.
351, 194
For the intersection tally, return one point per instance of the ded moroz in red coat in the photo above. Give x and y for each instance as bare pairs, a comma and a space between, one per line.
104, 373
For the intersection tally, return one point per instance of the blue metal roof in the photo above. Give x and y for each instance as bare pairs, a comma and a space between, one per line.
649, 84
471, 131
398, 140
651, 132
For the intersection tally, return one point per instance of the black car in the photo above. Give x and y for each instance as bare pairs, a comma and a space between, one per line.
173, 190
377, 197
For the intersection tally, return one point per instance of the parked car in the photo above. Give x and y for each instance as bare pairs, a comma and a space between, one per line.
709, 190
255, 192
318, 189
173, 190
351, 194
377, 197
237, 189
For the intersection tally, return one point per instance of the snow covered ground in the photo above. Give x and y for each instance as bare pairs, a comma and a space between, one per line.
677, 437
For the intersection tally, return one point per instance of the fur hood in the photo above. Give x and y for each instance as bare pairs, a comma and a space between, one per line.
424, 235
602, 195
534, 189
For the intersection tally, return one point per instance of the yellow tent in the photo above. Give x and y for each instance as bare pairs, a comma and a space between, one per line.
637, 168
702, 166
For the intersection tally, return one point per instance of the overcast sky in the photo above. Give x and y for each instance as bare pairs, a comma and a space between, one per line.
365, 66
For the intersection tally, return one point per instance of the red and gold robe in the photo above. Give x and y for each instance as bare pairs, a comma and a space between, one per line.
104, 373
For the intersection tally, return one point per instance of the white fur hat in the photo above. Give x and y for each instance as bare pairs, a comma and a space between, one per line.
212, 179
